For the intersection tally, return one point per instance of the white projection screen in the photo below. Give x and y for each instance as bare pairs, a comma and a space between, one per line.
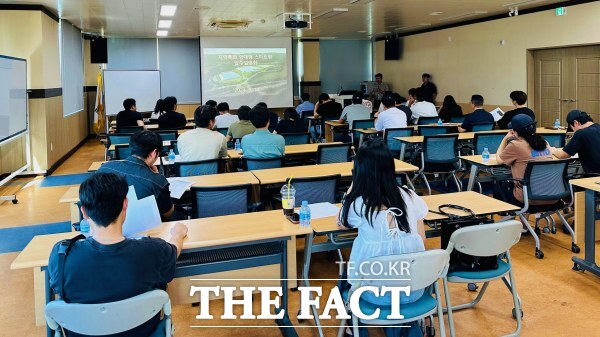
141, 85
245, 71
13, 97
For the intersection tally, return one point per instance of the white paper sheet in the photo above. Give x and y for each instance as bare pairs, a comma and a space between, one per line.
178, 186
497, 113
323, 210
141, 215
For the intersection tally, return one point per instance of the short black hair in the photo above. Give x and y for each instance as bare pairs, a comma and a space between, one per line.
259, 116
204, 114
378, 75
102, 196
388, 100
128, 103
169, 103
290, 113
398, 99
244, 113
223, 106
323, 97
212, 103
412, 92
426, 75
305, 96
144, 142
420, 93
358, 97
477, 100
518, 96
262, 104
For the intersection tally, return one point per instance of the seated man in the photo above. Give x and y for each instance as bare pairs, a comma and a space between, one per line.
129, 116
273, 117
519, 99
139, 171
354, 111
420, 107
306, 105
262, 143
224, 119
478, 116
584, 142
171, 119
403, 107
106, 266
202, 143
242, 127
390, 117
326, 109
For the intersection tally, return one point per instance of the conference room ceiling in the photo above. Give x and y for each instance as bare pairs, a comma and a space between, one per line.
363, 19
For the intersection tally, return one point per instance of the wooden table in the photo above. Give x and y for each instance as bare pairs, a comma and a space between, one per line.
188, 125
290, 150
203, 234
95, 166
588, 213
330, 127
365, 132
166, 143
280, 175
477, 164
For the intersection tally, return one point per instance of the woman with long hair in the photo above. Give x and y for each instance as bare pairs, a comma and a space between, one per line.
449, 109
388, 218
159, 109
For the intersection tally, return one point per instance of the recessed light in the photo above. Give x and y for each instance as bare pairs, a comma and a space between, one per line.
361, 31
436, 13
168, 10
164, 24
162, 33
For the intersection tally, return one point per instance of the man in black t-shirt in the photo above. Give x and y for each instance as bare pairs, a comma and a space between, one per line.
428, 89
106, 266
584, 142
129, 116
519, 98
171, 119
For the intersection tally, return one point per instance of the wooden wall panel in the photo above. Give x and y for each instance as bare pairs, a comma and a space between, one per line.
37, 127
12, 155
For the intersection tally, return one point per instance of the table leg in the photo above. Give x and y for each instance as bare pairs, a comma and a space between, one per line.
328, 133
472, 176
308, 244
402, 151
309, 129
285, 324
589, 263
360, 140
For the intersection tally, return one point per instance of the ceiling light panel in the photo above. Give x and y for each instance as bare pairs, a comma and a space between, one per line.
166, 24
168, 10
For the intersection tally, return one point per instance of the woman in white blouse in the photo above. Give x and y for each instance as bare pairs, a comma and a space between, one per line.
388, 217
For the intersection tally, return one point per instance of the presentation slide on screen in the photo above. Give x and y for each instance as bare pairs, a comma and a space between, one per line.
247, 75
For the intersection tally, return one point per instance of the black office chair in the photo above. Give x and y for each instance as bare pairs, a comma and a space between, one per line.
393, 144
129, 129
556, 139
483, 127
222, 131
296, 138
253, 164
314, 189
334, 153
427, 120
122, 151
196, 168
489, 140
433, 130
439, 156
221, 200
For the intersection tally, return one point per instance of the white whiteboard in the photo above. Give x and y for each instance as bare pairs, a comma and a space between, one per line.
141, 85
13, 97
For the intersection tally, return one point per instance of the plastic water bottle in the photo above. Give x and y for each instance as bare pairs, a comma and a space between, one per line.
485, 155
171, 156
84, 227
440, 123
557, 123
304, 214
237, 146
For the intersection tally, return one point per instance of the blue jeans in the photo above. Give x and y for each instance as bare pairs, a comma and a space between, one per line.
314, 130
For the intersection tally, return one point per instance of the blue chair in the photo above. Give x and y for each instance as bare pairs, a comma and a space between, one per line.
433, 130
221, 200
486, 240
222, 131
253, 164
174, 146
427, 120
460, 119
426, 269
129, 129
333, 153
316, 189
304, 115
296, 138
196, 168
110, 318
489, 140
556, 139
168, 134
122, 151
361, 124
483, 127
439, 156
393, 144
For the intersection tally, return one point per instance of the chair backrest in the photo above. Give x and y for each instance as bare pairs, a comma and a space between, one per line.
251, 164
547, 179
486, 239
316, 189
333, 153
440, 149
425, 268
196, 168
174, 146
122, 151
390, 134
296, 138
305, 114
222, 131
152, 121
483, 127
167, 134
361, 124
556, 139
457, 119
118, 138
432, 130
221, 200
129, 129
491, 141
427, 120
272, 128
108, 318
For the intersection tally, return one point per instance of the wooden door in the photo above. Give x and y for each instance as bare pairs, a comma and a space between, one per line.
550, 90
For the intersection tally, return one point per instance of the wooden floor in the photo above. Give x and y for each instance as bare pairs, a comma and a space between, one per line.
556, 300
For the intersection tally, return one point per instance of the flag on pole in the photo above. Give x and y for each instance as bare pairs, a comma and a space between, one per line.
99, 118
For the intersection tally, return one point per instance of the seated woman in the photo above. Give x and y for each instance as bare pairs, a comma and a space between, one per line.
449, 109
520, 145
290, 123
388, 217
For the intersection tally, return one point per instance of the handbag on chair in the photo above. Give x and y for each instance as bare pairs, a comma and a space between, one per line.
460, 261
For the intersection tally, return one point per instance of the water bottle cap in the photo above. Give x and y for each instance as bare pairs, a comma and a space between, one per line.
304, 203
485, 149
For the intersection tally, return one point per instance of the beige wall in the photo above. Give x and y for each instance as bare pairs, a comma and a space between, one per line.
311, 58
470, 59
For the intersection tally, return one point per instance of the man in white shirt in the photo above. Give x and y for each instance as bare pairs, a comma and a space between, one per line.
354, 111
422, 108
202, 143
224, 119
390, 117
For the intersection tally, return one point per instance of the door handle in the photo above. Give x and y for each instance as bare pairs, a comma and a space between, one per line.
563, 99
572, 100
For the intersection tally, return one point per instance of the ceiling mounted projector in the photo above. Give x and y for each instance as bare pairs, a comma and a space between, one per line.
295, 20
296, 24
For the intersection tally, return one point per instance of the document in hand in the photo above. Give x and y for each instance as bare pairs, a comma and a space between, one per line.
141, 215
178, 186
497, 113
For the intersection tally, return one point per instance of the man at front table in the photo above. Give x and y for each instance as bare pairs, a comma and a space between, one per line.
584, 142
106, 266
139, 171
